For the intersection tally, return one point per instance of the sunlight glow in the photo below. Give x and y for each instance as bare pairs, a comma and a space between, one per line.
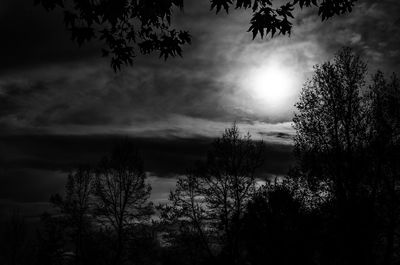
272, 85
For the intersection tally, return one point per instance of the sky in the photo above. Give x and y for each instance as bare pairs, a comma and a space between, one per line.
62, 105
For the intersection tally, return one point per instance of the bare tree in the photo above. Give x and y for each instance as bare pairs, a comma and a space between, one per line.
75, 207
122, 193
213, 196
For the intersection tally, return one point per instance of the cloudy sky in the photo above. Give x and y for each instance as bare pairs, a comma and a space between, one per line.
61, 105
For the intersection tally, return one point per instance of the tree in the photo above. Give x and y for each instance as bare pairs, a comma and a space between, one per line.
51, 241
384, 119
211, 199
122, 193
185, 222
331, 126
346, 139
127, 25
75, 208
279, 227
14, 239
330, 139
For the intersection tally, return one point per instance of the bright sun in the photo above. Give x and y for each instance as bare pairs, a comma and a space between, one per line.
272, 85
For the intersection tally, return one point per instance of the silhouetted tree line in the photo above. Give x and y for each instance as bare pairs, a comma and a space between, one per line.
338, 205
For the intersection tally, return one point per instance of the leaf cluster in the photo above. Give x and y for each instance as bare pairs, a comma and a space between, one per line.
129, 27
124, 26
268, 19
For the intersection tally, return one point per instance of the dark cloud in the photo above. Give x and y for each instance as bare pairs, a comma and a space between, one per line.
33, 167
138, 98
281, 135
30, 210
162, 156
370, 29
30, 185
13, 94
31, 37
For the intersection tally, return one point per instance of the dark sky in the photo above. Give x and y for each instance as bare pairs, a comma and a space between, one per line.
61, 105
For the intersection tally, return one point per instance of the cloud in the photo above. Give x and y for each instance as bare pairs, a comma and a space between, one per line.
30, 185
61, 105
161, 188
208, 86
162, 156
370, 29
32, 37
33, 167
93, 99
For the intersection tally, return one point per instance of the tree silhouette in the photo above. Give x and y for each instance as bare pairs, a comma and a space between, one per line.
211, 199
121, 193
52, 241
278, 227
186, 222
330, 139
75, 208
384, 119
346, 139
330, 124
126, 26
14, 239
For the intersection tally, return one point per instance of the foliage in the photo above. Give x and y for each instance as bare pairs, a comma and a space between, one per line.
128, 25
278, 227
346, 138
123, 25
384, 134
331, 124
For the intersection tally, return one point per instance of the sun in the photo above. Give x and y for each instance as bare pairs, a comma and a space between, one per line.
272, 85
267, 87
